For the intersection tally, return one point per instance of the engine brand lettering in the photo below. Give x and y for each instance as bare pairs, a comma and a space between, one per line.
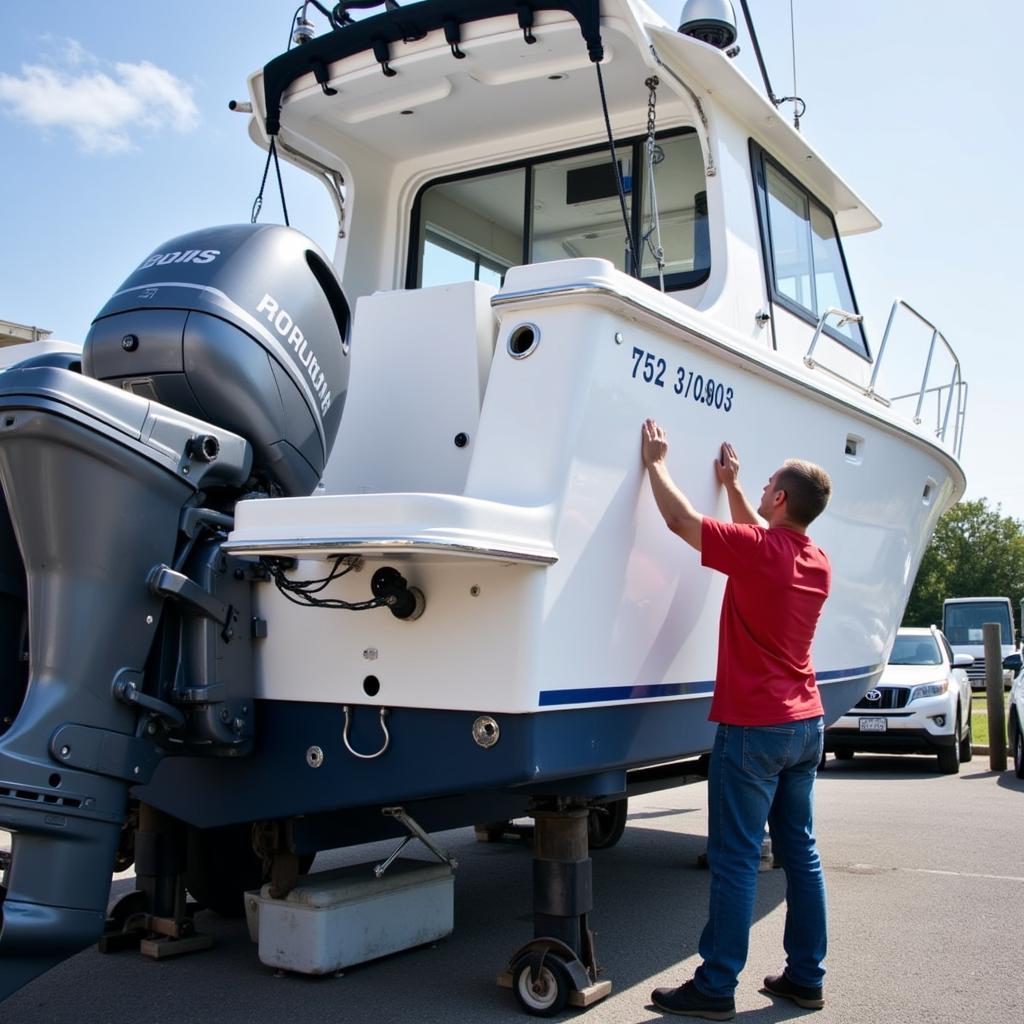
162, 259
283, 322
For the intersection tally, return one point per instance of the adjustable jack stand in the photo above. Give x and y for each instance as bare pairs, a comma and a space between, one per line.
559, 965
154, 918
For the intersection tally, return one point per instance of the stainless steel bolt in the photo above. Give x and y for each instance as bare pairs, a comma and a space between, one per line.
65, 751
149, 620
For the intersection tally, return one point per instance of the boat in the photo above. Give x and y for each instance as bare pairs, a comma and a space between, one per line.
307, 550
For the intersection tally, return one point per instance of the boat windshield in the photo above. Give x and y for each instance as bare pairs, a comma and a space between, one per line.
915, 650
963, 623
565, 206
808, 272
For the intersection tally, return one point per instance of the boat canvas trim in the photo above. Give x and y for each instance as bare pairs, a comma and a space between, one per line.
652, 691
378, 33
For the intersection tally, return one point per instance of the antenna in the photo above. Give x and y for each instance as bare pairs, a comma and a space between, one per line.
799, 107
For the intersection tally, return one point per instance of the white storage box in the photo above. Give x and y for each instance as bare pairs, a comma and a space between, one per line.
334, 919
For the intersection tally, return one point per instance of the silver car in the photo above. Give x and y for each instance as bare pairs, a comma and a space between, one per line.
921, 705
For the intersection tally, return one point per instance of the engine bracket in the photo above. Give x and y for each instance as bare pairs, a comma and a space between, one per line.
103, 752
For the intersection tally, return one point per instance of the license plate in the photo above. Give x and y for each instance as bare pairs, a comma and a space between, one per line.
872, 725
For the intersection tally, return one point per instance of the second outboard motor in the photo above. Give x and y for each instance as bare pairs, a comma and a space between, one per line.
218, 370
96, 481
244, 326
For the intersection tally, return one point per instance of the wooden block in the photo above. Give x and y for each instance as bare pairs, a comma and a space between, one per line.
161, 949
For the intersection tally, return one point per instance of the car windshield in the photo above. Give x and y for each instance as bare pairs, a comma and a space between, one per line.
915, 650
962, 623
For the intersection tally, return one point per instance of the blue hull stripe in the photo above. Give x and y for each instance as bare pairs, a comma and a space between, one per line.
598, 694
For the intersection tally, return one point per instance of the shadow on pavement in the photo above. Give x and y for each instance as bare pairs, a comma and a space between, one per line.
881, 766
650, 902
1008, 780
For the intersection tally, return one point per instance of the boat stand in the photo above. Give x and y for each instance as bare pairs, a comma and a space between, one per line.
558, 966
155, 919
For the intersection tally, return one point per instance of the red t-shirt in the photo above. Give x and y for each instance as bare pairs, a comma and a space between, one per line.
778, 581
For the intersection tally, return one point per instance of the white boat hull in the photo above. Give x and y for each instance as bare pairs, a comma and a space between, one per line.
552, 581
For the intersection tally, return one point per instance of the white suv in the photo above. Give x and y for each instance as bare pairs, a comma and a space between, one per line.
922, 704
1015, 724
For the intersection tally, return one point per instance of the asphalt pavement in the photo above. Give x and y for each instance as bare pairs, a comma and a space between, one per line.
925, 877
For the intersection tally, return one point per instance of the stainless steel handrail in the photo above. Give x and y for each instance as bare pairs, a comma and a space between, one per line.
844, 319
957, 386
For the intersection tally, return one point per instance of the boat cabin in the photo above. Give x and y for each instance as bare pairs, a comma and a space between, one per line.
456, 161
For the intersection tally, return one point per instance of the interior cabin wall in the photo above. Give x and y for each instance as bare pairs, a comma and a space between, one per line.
483, 235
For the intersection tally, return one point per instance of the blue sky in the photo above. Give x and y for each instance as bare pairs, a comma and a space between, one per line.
117, 136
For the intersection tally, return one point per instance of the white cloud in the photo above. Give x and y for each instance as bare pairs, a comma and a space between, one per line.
75, 54
102, 110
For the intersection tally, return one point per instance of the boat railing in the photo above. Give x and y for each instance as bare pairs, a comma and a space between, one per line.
950, 398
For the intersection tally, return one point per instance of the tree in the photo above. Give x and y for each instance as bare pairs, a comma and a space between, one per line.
976, 551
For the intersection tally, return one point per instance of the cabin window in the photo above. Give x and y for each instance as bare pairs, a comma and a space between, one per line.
472, 230
575, 209
807, 270
683, 210
564, 206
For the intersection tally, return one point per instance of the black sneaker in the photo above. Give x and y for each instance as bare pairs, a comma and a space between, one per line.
689, 1001
780, 985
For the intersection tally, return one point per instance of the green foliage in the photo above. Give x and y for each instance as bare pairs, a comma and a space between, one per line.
976, 551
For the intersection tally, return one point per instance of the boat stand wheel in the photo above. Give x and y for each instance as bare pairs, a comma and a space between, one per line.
606, 823
541, 984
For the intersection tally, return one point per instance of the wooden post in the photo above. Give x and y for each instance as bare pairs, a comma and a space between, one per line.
996, 698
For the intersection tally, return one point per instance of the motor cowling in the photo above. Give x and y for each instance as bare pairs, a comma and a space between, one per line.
245, 326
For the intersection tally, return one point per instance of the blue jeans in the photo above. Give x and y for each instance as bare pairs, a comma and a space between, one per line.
759, 775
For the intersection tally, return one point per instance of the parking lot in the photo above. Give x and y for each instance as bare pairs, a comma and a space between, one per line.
925, 878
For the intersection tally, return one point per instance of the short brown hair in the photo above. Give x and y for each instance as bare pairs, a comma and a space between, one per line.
808, 488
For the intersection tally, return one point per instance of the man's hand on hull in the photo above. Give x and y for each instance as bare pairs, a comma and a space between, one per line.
727, 465
654, 443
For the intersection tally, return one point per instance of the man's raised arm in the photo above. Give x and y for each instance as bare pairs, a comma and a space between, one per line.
675, 508
727, 468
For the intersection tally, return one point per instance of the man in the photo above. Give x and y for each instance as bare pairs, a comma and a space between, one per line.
769, 737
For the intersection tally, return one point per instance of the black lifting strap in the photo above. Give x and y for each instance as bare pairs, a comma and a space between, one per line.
525, 12
258, 204
453, 36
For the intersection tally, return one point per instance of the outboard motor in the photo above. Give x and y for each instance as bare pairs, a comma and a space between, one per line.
218, 370
245, 326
